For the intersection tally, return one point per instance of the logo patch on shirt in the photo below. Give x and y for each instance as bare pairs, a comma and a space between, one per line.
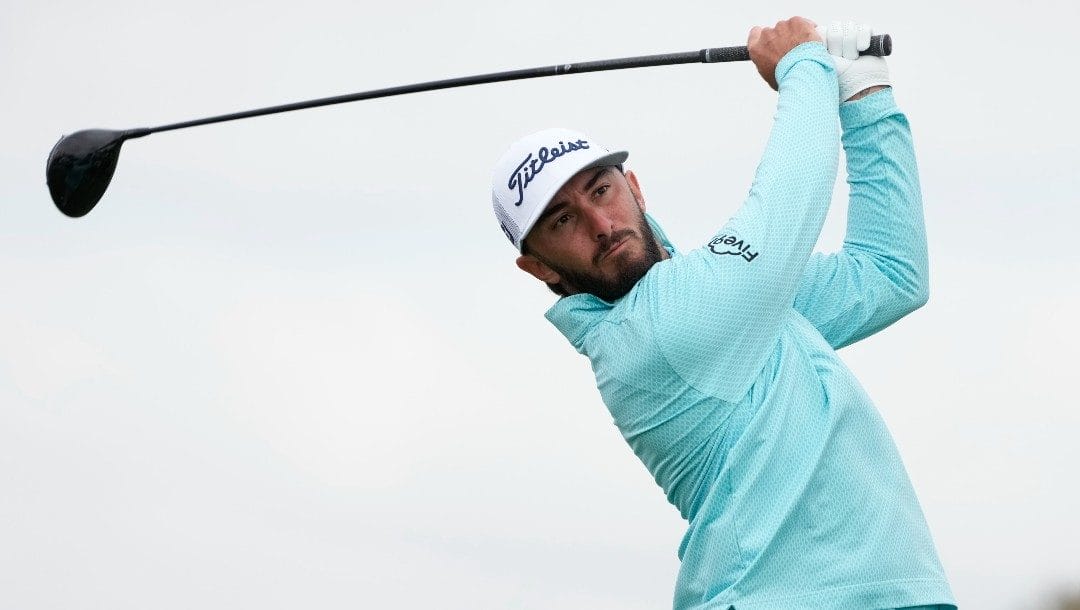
733, 245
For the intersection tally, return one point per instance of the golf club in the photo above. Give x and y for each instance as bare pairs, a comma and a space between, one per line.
81, 165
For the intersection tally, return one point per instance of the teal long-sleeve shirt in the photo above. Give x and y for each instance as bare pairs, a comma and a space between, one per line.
719, 369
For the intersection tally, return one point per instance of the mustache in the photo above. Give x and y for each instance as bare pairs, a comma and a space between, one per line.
606, 244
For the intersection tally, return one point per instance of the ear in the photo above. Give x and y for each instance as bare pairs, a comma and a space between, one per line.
635, 188
536, 268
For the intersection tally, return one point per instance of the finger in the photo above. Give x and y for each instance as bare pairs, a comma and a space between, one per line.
835, 38
802, 22
755, 34
821, 32
850, 52
862, 37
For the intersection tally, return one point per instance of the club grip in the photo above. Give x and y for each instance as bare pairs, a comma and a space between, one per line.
880, 46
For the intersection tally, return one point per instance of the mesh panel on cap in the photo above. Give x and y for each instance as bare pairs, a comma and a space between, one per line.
507, 223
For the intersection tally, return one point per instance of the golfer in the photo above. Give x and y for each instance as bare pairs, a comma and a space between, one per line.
719, 365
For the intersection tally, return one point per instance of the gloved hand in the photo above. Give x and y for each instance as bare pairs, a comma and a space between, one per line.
844, 40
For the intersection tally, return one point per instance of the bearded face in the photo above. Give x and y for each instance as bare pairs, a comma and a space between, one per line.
593, 236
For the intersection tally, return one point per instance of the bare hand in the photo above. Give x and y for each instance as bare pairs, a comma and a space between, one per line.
768, 46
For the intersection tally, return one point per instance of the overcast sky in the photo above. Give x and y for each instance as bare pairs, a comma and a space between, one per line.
288, 362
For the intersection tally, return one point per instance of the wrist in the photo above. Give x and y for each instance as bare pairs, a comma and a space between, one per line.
867, 111
813, 50
866, 92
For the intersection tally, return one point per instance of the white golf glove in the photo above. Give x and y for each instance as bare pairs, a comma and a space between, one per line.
844, 40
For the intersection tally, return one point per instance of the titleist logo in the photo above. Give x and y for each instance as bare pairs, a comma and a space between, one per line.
531, 166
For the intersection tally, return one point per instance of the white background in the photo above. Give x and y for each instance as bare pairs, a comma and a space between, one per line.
288, 362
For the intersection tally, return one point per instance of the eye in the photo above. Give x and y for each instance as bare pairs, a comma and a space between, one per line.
562, 220
600, 190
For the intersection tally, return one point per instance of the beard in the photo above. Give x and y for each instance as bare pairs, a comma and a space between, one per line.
626, 275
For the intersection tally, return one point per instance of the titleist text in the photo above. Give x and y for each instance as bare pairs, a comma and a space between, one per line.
531, 166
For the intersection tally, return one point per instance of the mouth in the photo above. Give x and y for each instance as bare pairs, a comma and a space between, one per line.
612, 249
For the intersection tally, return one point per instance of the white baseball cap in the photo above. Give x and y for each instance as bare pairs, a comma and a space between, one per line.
534, 168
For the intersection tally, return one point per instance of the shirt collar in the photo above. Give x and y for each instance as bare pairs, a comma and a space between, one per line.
576, 314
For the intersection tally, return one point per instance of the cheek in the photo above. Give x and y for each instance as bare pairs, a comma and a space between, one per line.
569, 251
630, 210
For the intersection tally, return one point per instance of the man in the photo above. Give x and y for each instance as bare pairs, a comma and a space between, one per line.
719, 365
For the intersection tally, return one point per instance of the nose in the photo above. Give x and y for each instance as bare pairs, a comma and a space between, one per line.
599, 222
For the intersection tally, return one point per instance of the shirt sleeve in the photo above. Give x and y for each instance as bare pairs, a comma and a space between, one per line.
881, 274
717, 310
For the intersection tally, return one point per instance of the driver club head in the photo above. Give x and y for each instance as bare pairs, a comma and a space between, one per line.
81, 165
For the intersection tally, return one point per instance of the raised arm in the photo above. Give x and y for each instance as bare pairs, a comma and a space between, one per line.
718, 309
882, 273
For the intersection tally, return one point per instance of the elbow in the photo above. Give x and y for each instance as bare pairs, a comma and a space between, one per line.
921, 294
916, 281
918, 294
911, 286
906, 302
920, 298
